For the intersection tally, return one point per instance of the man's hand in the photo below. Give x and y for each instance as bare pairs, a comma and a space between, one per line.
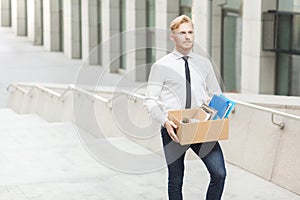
170, 125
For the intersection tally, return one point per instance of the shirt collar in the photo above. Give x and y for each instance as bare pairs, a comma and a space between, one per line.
180, 55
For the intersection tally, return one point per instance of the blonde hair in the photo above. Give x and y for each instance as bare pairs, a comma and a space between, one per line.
178, 21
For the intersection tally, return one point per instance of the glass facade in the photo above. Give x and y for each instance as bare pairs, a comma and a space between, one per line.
288, 48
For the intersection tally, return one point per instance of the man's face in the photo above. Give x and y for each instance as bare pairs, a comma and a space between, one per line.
183, 37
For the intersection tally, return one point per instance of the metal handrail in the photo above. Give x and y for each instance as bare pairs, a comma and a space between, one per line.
51, 92
135, 95
90, 94
18, 88
40, 87
272, 111
56, 94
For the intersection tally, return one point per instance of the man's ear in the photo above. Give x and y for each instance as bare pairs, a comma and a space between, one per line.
172, 36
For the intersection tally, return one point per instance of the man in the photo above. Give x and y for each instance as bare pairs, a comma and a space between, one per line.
183, 79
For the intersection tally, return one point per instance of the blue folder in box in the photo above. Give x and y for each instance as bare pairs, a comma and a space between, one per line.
223, 105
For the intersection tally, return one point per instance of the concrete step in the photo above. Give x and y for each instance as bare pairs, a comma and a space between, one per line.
3, 95
8, 118
39, 135
7, 112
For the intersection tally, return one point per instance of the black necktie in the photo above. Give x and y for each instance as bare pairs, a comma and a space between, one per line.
187, 82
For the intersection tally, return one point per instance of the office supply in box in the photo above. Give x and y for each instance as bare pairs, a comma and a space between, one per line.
223, 105
209, 110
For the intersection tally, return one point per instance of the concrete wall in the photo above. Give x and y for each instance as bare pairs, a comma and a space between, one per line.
259, 146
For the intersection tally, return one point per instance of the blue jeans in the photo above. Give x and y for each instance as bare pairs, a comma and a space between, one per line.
211, 155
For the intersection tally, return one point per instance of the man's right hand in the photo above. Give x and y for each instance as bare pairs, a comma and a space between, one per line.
170, 125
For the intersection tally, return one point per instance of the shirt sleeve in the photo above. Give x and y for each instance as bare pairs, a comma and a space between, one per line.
154, 89
213, 86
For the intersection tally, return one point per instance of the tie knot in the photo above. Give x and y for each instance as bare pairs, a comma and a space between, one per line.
185, 58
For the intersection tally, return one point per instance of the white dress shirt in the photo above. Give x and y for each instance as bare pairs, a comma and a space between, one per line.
166, 89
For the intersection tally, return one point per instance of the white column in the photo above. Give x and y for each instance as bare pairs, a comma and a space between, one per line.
5, 11
296, 5
172, 13
161, 23
216, 34
200, 19
166, 11
72, 29
110, 38
141, 40
1, 12
51, 21
115, 46
89, 31
31, 19
38, 22
19, 18
267, 60
105, 33
251, 47
130, 40
14, 15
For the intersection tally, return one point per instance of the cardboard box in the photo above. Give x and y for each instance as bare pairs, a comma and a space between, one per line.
198, 132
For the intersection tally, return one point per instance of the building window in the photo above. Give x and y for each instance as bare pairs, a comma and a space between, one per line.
281, 34
99, 30
61, 25
231, 45
150, 23
186, 7
123, 36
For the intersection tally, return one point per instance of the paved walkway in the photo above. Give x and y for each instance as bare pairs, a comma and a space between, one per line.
41, 161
